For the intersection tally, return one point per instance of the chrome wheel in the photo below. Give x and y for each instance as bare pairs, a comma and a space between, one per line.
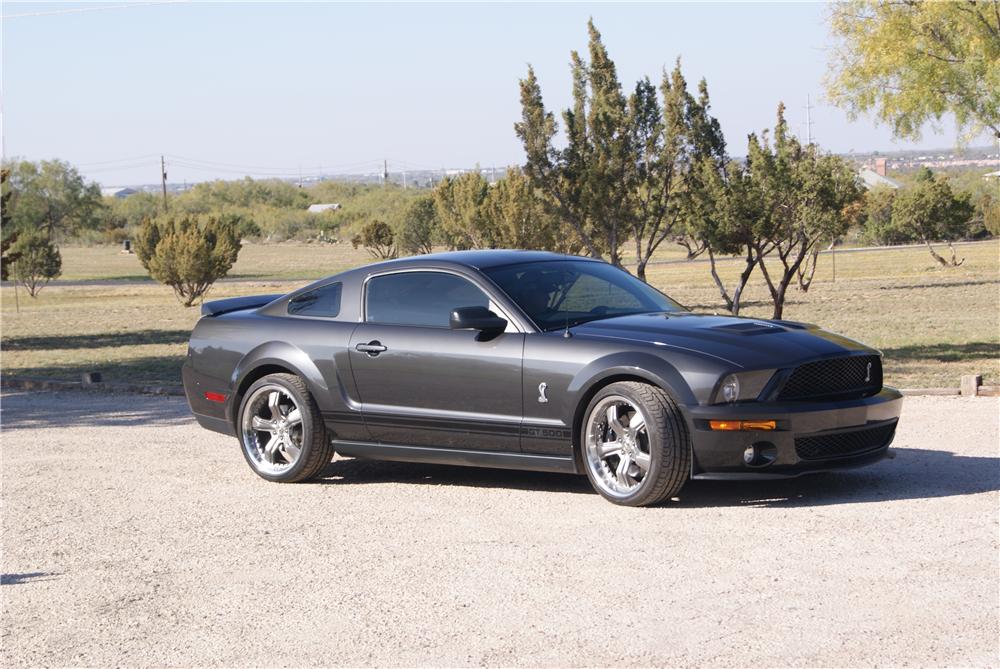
272, 429
617, 446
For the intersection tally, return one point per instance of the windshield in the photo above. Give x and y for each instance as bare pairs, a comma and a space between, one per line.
560, 292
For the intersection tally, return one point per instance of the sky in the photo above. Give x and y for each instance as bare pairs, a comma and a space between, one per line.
226, 90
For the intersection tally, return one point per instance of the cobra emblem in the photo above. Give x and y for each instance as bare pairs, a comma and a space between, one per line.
868, 374
542, 387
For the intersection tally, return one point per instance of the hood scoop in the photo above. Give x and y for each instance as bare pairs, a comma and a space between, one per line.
750, 328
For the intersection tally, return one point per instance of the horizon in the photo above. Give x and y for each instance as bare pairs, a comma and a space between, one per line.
438, 92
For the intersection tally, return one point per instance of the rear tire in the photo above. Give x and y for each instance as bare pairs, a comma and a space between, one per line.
281, 430
635, 444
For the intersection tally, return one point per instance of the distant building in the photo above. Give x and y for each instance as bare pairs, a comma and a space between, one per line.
120, 193
872, 179
320, 208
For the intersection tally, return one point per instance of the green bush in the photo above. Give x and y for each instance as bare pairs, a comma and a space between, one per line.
188, 254
378, 239
419, 227
38, 261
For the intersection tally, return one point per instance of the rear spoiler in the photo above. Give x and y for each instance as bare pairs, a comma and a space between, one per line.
217, 307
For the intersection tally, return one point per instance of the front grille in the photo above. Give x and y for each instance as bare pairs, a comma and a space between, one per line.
859, 375
844, 444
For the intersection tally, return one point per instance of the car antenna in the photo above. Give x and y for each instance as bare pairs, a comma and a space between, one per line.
566, 333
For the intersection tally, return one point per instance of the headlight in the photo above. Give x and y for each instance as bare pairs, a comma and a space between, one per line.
742, 386
729, 391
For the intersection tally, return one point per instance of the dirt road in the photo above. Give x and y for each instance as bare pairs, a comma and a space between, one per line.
133, 537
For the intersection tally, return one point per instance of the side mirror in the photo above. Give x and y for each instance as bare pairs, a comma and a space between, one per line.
476, 318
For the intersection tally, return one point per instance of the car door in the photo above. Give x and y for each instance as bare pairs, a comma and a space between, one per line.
423, 384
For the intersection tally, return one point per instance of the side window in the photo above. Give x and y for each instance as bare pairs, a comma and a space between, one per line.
324, 302
419, 298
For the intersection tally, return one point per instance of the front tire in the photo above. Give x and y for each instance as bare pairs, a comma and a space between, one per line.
635, 444
281, 430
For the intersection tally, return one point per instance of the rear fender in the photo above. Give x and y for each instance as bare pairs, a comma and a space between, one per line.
287, 356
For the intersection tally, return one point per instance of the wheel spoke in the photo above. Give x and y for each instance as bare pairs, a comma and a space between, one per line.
642, 459
637, 423
608, 448
294, 417
613, 421
272, 447
621, 473
262, 424
290, 451
272, 403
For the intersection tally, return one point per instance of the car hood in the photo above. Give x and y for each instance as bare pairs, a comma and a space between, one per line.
745, 342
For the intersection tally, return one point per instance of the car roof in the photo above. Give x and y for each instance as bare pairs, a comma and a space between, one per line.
482, 258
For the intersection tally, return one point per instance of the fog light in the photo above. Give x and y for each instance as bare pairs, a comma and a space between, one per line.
759, 455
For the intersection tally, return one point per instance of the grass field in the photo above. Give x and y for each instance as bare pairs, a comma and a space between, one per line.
933, 324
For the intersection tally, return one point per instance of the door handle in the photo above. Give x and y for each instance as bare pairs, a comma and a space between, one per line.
372, 348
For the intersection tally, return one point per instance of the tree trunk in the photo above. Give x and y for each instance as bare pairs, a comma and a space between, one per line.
718, 282
733, 303
953, 262
806, 275
744, 280
944, 263
779, 301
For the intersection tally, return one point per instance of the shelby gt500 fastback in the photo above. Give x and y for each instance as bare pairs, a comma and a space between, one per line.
531, 360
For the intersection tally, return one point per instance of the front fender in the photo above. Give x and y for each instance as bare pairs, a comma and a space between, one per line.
646, 366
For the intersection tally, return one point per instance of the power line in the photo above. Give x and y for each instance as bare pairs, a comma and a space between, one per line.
148, 156
80, 10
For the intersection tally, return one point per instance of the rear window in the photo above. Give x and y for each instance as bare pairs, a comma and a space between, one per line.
322, 302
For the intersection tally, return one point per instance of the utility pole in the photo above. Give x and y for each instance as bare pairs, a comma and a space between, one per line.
163, 181
404, 179
809, 123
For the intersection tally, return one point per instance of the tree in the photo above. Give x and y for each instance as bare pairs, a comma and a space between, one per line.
807, 197
420, 226
120, 217
459, 204
876, 222
378, 239
587, 181
929, 211
912, 62
38, 261
675, 163
519, 218
7, 236
627, 166
725, 217
52, 197
189, 253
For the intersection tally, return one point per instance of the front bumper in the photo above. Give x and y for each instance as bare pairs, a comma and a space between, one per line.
830, 435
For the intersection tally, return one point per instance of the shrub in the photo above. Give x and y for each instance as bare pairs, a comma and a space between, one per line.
419, 227
38, 261
377, 237
188, 254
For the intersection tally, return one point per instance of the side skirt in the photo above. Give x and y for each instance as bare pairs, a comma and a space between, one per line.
452, 456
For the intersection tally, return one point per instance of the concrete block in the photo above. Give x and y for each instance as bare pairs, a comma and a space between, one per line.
970, 384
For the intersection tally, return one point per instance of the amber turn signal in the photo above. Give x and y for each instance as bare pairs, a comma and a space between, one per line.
731, 425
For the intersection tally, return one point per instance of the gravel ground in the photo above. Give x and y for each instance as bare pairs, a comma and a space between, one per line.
133, 537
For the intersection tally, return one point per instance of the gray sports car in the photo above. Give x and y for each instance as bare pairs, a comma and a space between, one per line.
531, 360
